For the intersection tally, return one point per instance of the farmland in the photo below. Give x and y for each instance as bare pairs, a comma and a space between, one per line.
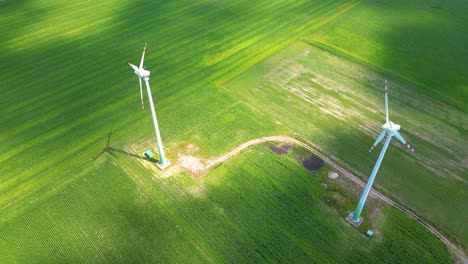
424, 42
257, 207
219, 74
339, 105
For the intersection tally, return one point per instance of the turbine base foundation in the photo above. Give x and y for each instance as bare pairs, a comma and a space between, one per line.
349, 219
163, 166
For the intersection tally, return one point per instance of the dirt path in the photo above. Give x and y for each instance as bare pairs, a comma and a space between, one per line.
312, 148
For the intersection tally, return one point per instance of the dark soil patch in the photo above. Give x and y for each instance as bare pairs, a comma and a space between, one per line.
281, 149
313, 163
278, 150
287, 147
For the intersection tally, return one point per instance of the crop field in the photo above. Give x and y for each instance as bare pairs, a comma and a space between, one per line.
330, 89
258, 207
423, 42
340, 106
222, 73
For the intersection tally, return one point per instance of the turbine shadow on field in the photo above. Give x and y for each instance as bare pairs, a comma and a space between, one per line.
109, 149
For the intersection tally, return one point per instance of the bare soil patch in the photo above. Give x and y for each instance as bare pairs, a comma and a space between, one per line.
278, 150
313, 163
191, 148
287, 147
281, 149
191, 163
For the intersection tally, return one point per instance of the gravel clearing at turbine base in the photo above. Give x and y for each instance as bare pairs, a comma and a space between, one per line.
191, 163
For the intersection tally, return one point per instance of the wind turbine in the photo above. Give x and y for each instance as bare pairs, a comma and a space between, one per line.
390, 130
144, 74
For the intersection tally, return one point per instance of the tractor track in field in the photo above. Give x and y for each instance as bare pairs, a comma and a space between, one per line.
459, 253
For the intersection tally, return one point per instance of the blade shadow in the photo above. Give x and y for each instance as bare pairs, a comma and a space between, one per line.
112, 149
109, 149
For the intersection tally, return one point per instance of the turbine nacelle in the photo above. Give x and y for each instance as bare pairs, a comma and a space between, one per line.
140, 72
391, 126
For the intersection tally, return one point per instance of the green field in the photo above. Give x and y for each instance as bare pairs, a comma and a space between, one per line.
339, 106
421, 41
65, 87
257, 207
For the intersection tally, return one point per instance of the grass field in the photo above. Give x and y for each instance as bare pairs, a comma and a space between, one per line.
65, 87
421, 41
258, 207
420, 45
339, 105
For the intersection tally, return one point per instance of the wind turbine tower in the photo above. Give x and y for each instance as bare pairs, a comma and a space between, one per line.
390, 130
144, 74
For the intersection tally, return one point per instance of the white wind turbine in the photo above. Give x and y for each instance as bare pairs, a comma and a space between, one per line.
144, 74
391, 130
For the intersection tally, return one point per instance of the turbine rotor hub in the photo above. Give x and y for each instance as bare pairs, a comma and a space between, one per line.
391, 126
142, 73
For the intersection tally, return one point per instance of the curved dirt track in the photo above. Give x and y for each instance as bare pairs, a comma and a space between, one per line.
309, 146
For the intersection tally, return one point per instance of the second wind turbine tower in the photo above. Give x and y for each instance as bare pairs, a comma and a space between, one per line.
391, 130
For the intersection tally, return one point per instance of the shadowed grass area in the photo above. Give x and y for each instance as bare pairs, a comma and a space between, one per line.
421, 41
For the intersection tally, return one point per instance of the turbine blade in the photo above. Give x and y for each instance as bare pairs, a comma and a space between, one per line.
377, 141
141, 95
133, 66
142, 57
402, 140
386, 104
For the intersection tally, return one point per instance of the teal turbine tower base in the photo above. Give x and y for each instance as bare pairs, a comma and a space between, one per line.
391, 130
355, 216
163, 162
